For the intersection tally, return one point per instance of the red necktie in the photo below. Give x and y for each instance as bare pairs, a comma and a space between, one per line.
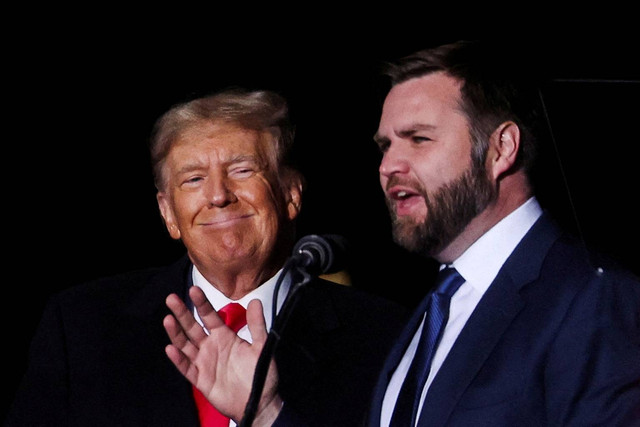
234, 316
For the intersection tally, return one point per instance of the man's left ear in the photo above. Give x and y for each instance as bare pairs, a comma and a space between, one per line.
294, 196
503, 150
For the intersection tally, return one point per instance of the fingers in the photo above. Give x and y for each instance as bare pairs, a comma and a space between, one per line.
175, 331
256, 323
184, 316
220, 364
188, 351
207, 314
184, 365
182, 351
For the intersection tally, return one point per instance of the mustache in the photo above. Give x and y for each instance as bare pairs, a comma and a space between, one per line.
405, 182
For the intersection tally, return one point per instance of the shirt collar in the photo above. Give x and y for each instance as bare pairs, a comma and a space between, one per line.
263, 292
482, 261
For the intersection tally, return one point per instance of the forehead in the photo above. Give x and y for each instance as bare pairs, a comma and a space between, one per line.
431, 92
220, 139
427, 102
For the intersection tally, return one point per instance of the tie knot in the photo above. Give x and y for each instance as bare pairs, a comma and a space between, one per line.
233, 315
448, 281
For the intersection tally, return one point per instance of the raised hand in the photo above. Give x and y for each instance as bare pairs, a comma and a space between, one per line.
221, 364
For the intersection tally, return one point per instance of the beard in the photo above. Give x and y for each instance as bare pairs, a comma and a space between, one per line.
449, 210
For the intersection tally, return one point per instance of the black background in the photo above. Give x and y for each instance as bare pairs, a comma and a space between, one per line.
83, 96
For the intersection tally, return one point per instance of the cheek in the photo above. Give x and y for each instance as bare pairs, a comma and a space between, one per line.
271, 214
269, 227
263, 201
187, 206
444, 169
264, 229
258, 195
264, 197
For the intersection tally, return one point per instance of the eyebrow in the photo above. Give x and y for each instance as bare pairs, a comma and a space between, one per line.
190, 167
412, 129
403, 133
244, 158
196, 165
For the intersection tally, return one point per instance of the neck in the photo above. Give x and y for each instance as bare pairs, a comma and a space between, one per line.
236, 283
510, 197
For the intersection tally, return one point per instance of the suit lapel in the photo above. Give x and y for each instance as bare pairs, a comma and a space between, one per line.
472, 347
150, 300
313, 316
492, 316
172, 397
393, 359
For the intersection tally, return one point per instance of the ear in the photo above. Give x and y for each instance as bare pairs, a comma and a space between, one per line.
503, 149
167, 214
293, 194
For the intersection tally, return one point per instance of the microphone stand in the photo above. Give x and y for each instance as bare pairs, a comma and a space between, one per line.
299, 278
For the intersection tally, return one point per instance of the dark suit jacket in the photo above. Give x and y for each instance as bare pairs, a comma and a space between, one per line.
98, 356
555, 341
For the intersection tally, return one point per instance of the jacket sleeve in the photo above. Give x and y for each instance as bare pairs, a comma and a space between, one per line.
42, 396
593, 369
288, 417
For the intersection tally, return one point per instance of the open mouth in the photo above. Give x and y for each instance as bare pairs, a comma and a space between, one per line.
401, 195
405, 200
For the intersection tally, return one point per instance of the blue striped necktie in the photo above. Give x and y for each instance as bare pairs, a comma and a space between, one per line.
405, 412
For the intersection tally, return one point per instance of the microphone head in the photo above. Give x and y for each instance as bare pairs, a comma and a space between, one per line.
322, 254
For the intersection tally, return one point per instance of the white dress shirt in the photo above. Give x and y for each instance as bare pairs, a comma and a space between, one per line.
479, 266
263, 292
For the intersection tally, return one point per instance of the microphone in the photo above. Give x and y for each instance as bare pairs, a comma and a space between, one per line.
321, 254
312, 255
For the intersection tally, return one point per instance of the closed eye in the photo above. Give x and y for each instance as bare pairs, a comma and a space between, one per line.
420, 139
383, 146
193, 180
382, 142
241, 172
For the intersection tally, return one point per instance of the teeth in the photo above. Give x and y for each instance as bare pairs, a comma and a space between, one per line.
402, 194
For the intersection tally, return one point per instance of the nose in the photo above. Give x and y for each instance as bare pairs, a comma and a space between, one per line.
220, 192
395, 160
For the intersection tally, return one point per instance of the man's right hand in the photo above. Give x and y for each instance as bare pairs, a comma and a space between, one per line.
221, 365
